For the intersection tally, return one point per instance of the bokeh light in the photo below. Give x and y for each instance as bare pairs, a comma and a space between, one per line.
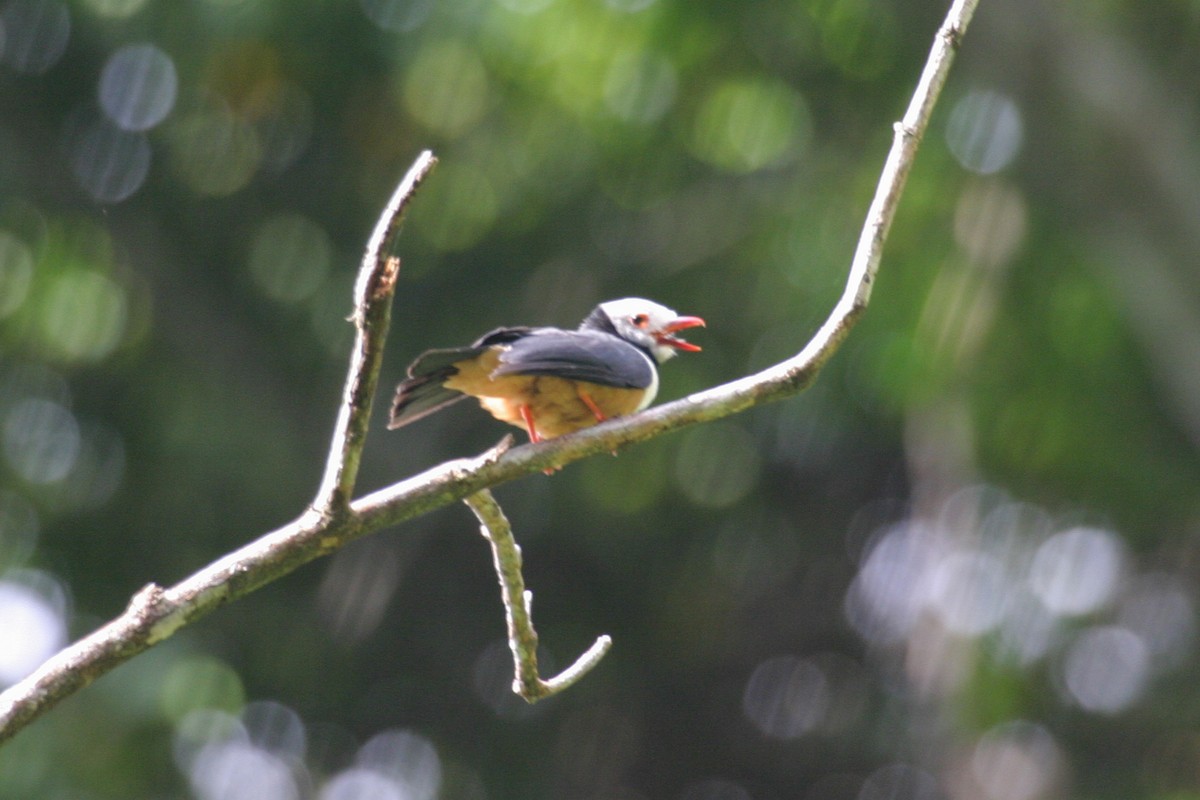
746, 125
990, 222
445, 88
201, 727
199, 684
256, 753
32, 622
275, 728
786, 697
407, 759
361, 784
290, 256
41, 440
138, 86
857, 36
969, 592
83, 315
237, 770
888, 593
16, 272
1030, 630
640, 86
990, 566
1016, 761
985, 131
1077, 571
110, 164
1106, 669
215, 151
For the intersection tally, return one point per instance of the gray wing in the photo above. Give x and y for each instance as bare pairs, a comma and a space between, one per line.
422, 393
578, 355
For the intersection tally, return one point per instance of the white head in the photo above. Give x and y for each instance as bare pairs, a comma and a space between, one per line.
646, 324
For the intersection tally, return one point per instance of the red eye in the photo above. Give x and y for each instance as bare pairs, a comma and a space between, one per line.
640, 320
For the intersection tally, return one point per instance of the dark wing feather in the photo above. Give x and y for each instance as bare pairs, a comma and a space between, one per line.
420, 397
507, 335
422, 393
578, 355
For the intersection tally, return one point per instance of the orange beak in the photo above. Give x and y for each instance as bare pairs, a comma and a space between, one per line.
663, 334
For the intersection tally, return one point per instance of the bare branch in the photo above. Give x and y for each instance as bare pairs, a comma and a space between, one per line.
373, 293
157, 613
518, 607
582, 666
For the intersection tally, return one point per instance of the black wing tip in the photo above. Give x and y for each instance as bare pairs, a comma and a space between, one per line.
505, 335
421, 396
396, 418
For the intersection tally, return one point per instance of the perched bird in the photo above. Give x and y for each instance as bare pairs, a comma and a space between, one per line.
550, 381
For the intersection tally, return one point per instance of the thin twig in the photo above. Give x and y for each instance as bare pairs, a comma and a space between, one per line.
582, 666
157, 613
518, 607
373, 293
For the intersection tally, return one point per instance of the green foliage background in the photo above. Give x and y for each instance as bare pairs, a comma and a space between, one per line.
176, 265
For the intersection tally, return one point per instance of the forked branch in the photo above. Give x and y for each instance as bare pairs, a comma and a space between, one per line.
333, 521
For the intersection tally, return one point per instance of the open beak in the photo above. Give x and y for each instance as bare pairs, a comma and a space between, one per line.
663, 334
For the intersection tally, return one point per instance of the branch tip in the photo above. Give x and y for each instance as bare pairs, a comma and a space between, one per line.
492, 455
146, 598
582, 666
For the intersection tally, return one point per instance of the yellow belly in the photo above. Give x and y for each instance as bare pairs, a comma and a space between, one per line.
555, 403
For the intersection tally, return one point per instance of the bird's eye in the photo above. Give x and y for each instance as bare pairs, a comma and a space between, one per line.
640, 320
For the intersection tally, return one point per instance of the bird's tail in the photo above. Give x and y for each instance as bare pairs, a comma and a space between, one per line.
420, 396
423, 392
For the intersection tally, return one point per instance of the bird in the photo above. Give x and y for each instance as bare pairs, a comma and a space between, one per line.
550, 381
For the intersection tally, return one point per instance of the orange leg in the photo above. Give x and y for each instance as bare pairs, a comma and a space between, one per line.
527, 416
591, 404
534, 436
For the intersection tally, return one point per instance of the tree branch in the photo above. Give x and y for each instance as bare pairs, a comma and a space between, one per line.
518, 607
373, 293
156, 613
